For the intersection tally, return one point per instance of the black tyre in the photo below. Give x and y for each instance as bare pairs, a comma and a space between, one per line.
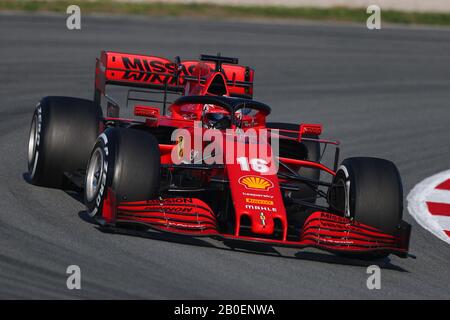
306, 150
370, 191
63, 131
126, 160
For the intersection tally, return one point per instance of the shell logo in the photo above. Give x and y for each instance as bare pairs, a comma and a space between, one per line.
256, 183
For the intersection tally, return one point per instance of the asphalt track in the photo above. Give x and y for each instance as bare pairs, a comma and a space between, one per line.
382, 93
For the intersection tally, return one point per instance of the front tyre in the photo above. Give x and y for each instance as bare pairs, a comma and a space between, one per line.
126, 160
369, 191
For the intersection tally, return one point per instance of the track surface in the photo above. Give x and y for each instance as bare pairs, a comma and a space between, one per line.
383, 93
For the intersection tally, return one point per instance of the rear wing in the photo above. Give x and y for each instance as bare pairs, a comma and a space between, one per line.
159, 73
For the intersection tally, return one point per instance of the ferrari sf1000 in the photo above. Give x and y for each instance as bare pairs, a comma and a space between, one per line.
206, 162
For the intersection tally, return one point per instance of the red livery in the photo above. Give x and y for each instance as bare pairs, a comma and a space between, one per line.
200, 158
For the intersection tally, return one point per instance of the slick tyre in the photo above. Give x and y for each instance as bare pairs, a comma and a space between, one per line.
369, 190
62, 133
306, 150
125, 160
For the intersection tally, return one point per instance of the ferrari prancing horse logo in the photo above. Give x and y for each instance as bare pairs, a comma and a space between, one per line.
263, 219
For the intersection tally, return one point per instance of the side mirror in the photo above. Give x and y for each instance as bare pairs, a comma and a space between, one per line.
308, 128
147, 111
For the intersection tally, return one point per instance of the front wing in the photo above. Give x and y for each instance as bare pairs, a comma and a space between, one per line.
193, 217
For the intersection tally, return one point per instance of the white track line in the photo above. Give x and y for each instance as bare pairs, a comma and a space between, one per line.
417, 207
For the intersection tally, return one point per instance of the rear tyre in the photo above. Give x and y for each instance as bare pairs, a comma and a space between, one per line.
63, 131
369, 190
126, 160
305, 150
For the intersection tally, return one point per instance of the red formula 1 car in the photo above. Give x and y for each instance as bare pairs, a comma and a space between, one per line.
192, 168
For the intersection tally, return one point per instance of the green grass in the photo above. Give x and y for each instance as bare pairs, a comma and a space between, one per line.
225, 11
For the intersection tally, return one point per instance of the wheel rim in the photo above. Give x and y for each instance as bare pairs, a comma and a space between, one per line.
32, 141
94, 174
340, 193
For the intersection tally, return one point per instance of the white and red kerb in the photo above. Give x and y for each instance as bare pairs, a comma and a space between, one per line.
429, 204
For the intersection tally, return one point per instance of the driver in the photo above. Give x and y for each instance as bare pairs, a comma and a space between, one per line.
215, 117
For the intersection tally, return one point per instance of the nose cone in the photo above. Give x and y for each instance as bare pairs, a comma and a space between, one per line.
261, 214
256, 192
261, 223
